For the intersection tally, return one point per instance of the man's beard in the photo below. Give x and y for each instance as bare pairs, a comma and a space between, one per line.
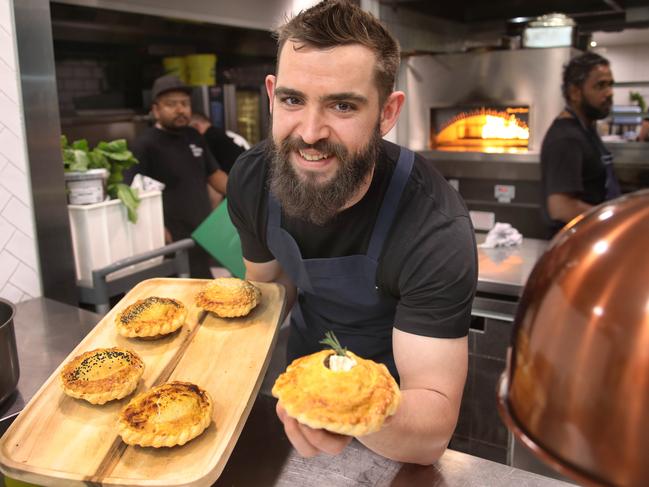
301, 195
175, 124
592, 112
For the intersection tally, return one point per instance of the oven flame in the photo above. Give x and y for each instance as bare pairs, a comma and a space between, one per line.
504, 128
488, 130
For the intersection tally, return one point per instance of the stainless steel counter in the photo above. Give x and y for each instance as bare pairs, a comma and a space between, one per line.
505, 270
47, 331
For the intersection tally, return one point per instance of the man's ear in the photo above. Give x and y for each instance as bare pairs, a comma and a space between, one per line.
155, 111
390, 111
574, 94
270, 89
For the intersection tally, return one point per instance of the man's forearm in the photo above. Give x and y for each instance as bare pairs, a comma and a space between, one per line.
563, 207
419, 431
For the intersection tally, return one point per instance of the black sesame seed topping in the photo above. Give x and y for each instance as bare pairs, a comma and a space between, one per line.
134, 311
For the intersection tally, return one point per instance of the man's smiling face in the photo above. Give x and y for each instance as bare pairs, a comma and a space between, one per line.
325, 125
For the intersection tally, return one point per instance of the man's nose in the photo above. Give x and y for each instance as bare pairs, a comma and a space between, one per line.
313, 126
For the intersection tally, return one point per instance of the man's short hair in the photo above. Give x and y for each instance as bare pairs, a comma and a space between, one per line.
578, 69
333, 23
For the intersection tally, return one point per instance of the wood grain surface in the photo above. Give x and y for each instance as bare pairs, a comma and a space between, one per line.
59, 440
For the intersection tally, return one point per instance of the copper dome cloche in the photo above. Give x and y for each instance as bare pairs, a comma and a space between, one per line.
576, 387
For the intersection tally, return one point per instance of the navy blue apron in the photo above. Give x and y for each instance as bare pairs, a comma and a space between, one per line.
340, 293
612, 185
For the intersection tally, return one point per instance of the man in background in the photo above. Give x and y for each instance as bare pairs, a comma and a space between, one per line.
175, 154
576, 168
223, 148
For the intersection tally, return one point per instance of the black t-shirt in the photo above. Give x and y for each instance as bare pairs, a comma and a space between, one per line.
428, 262
183, 163
571, 163
222, 147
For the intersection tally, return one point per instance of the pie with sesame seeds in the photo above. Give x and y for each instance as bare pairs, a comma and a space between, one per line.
101, 375
167, 415
228, 297
151, 317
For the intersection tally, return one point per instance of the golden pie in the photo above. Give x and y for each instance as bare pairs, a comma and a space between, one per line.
102, 375
342, 394
151, 317
228, 297
167, 415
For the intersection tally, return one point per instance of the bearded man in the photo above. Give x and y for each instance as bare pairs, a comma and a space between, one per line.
368, 238
576, 168
175, 154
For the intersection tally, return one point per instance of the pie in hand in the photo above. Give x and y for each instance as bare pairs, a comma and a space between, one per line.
101, 375
343, 394
151, 317
167, 415
228, 297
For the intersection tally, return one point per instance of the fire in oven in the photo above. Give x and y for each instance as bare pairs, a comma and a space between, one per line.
481, 128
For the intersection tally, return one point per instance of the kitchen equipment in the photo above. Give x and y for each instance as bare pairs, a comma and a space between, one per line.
9, 369
65, 441
576, 387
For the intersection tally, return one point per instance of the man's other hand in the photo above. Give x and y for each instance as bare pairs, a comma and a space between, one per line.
310, 442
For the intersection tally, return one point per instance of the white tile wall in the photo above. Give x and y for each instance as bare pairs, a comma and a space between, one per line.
19, 271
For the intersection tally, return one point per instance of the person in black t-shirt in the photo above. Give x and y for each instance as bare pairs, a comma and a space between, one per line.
576, 168
176, 155
369, 240
222, 147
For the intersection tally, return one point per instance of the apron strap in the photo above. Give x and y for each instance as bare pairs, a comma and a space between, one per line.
391, 202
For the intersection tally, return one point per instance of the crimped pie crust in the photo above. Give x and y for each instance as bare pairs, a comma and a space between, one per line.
228, 297
354, 402
167, 415
101, 375
151, 317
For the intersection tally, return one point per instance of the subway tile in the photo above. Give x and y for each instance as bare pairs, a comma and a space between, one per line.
8, 264
19, 215
17, 182
6, 232
26, 279
24, 248
12, 293
6, 22
7, 46
12, 148
5, 196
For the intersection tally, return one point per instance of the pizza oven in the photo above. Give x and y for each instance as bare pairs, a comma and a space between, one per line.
497, 128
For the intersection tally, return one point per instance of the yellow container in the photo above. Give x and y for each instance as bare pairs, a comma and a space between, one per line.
201, 69
176, 66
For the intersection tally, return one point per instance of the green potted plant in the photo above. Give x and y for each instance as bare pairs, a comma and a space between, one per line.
105, 163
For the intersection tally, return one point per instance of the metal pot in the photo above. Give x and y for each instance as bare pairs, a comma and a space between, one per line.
9, 370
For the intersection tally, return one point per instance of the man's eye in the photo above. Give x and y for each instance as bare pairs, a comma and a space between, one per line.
344, 107
290, 100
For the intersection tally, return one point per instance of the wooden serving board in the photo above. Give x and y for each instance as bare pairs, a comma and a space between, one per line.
62, 441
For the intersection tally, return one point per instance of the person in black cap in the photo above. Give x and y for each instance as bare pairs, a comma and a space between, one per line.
175, 154
576, 167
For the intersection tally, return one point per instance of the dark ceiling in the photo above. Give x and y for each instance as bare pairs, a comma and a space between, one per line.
590, 15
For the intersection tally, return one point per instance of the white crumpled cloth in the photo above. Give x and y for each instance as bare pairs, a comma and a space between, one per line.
145, 183
502, 235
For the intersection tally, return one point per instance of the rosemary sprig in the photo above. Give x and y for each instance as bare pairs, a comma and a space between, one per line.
331, 341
